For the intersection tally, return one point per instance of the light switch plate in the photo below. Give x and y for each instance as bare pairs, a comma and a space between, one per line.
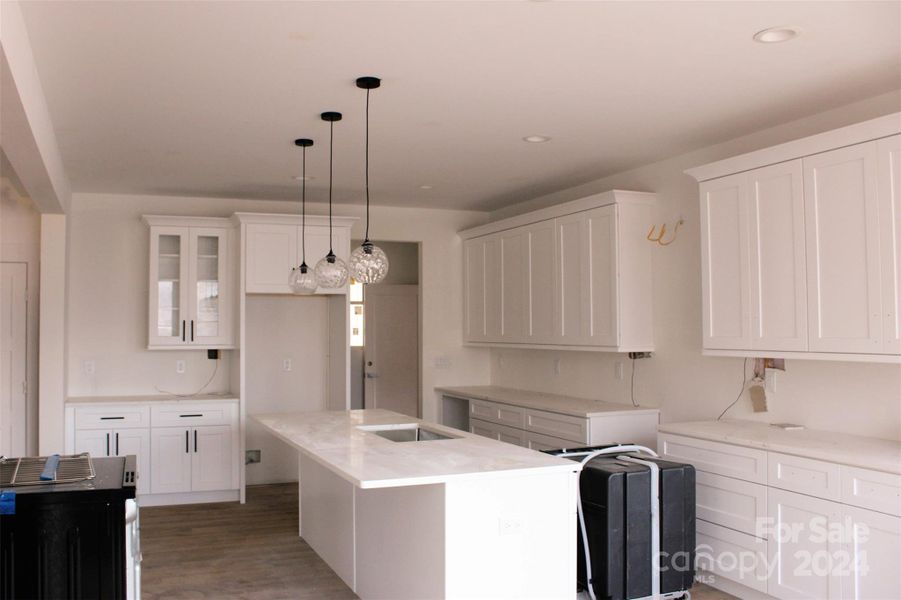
179, 366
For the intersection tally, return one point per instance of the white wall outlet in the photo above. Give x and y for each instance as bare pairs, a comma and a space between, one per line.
557, 363
512, 525
286, 364
442, 362
618, 369
179, 366
89, 367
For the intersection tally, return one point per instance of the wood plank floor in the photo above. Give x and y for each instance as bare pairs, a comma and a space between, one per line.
250, 551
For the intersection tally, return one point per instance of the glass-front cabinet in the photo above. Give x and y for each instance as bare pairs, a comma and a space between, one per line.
189, 303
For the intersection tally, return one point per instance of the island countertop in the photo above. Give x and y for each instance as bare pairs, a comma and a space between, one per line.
334, 440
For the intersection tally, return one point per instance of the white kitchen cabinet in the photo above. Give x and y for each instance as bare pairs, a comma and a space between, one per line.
889, 192
843, 266
190, 270
212, 465
192, 459
170, 460
725, 273
494, 431
872, 549
577, 276
118, 442
275, 245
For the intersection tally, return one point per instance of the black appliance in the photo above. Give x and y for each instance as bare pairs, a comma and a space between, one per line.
616, 498
65, 540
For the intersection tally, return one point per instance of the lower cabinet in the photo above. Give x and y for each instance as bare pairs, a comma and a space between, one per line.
191, 459
119, 442
872, 546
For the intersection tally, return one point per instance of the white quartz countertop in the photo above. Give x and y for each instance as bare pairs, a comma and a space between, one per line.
148, 399
841, 448
367, 460
565, 405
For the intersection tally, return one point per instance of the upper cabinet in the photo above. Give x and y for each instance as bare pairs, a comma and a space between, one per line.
190, 269
576, 276
274, 244
800, 258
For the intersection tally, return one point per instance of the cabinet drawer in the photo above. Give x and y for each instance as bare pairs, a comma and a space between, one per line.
188, 415
748, 464
504, 414
112, 417
537, 441
871, 489
574, 429
494, 431
732, 555
804, 475
732, 503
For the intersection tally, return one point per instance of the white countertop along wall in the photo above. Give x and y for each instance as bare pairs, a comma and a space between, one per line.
556, 403
155, 399
334, 440
841, 448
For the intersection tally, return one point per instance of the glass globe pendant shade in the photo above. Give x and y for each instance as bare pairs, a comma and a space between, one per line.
368, 263
331, 272
302, 280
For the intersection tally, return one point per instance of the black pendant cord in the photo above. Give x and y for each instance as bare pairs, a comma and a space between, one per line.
331, 146
366, 237
303, 209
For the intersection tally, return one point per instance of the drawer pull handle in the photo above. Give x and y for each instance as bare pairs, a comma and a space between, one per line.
197, 415
112, 418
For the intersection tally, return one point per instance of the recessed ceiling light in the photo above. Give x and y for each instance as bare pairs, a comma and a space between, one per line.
425, 187
536, 139
302, 178
774, 35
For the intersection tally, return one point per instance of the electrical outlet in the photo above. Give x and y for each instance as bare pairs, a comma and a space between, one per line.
618, 369
557, 363
442, 362
179, 366
510, 525
89, 367
286, 364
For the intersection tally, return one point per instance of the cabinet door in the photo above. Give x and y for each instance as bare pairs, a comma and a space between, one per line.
890, 236
493, 291
873, 547
170, 460
474, 290
96, 442
843, 270
778, 272
212, 463
318, 244
573, 308
725, 293
603, 329
210, 319
542, 282
168, 302
137, 442
514, 285
271, 254
806, 562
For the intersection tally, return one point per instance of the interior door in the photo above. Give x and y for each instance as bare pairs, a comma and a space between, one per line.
890, 236
725, 294
778, 272
209, 321
170, 460
211, 458
137, 442
391, 352
13, 403
843, 268
169, 309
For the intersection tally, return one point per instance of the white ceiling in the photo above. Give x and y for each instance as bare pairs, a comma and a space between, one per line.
205, 98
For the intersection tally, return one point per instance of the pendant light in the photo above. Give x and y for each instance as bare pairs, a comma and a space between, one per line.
331, 271
368, 263
302, 280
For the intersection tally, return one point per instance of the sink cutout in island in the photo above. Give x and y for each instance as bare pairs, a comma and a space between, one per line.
406, 432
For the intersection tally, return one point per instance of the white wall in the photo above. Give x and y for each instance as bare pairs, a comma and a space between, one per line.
20, 241
107, 302
850, 397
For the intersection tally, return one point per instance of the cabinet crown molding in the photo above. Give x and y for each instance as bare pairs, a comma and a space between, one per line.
178, 221
291, 219
561, 210
873, 129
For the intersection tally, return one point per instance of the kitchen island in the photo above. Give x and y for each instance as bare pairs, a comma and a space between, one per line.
448, 515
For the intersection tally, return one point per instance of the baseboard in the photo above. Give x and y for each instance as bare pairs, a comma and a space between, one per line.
188, 498
730, 587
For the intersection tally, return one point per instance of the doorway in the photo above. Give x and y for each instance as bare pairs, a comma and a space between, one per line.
13, 352
385, 335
